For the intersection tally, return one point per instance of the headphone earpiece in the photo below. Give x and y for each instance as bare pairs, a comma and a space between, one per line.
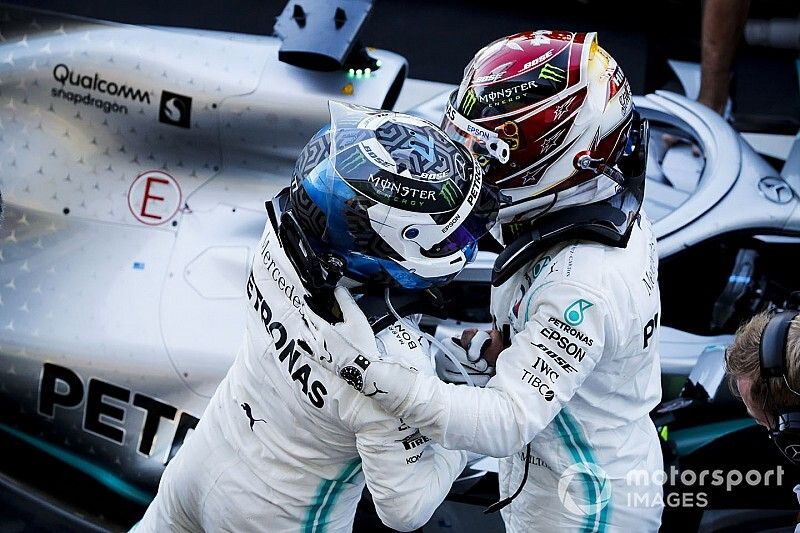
772, 348
772, 362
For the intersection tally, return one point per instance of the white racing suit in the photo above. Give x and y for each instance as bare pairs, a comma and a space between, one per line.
577, 383
285, 446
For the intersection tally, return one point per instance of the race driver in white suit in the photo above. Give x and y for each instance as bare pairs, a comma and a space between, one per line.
283, 445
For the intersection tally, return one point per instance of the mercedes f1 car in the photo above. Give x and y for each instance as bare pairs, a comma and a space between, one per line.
134, 164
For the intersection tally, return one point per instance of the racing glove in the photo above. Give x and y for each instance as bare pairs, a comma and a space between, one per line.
468, 361
347, 347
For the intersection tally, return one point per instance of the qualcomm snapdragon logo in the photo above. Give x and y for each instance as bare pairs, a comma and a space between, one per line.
175, 109
594, 484
64, 75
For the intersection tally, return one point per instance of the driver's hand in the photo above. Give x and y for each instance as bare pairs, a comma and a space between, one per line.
470, 352
347, 347
490, 349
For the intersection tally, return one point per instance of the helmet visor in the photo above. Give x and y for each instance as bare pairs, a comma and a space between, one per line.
477, 224
474, 137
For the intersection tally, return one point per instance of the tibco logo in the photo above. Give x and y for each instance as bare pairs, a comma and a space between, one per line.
175, 109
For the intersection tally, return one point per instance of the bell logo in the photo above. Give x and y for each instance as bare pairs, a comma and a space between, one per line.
175, 109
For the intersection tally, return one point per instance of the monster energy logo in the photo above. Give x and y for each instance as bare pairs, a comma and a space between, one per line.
449, 192
552, 73
469, 102
353, 160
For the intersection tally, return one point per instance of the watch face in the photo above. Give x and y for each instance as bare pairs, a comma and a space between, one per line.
352, 375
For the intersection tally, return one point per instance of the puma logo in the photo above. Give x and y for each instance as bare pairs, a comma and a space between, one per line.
376, 391
249, 413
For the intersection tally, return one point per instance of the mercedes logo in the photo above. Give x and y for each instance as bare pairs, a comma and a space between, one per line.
776, 190
792, 452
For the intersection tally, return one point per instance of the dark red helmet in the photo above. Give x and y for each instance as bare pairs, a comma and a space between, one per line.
547, 114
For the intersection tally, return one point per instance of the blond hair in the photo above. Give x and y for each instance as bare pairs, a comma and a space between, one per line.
742, 360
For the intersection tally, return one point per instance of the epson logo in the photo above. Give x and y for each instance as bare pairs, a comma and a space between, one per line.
478, 132
564, 343
451, 223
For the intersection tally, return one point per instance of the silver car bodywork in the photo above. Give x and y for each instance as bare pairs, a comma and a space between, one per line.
135, 165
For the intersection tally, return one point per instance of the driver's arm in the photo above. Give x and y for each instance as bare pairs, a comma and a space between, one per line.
407, 474
535, 377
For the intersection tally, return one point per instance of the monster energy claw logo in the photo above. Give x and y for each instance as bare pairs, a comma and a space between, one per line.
353, 160
448, 192
469, 102
552, 73
573, 315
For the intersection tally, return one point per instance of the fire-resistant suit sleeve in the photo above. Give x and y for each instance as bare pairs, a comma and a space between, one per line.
535, 376
407, 474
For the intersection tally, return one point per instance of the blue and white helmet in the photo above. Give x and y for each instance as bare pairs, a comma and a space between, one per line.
392, 197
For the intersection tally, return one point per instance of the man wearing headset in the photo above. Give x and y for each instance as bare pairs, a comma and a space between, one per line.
763, 364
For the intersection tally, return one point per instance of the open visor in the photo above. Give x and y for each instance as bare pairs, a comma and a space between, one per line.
473, 136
